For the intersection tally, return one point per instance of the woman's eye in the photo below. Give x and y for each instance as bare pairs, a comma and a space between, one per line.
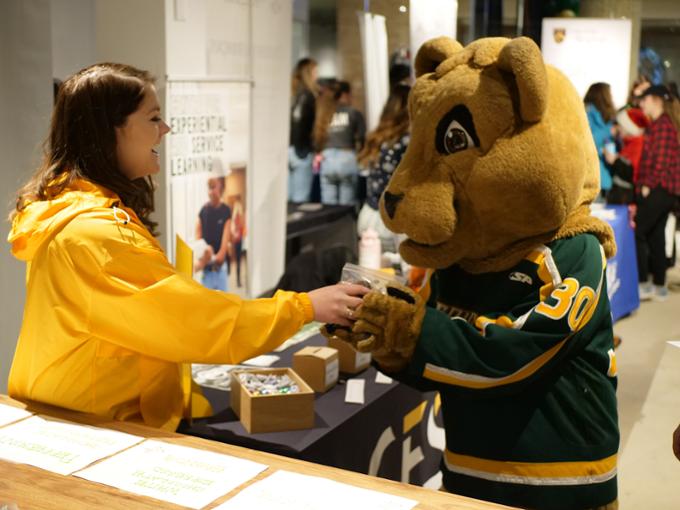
156, 119
456, 138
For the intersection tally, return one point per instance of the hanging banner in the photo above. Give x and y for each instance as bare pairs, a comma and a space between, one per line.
376, 68
429, 19
590, 50
208, 157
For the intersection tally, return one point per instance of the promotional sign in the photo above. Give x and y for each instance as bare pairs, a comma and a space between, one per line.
590, 50
429, 19
60, 447
208, 154
176, 474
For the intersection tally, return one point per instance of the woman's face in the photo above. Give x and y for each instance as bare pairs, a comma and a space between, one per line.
652, 106
138, 140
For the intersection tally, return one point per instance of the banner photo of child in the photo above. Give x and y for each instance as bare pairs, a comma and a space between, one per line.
208, 151
221, 226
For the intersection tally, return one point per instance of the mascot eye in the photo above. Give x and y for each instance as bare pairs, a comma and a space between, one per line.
456, 131
456, 138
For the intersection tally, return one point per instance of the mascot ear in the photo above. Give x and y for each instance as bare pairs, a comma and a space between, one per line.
433, 53
522, 58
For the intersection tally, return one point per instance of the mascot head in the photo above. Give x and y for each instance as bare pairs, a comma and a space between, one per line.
501, 158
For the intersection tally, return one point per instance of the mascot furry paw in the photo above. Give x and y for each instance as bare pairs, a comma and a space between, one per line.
387, 325
493, 193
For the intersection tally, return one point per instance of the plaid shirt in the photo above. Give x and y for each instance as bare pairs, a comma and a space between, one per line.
660, 163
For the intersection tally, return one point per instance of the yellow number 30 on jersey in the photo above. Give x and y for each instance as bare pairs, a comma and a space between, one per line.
579, 302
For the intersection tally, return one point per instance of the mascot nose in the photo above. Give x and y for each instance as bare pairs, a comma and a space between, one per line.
391, 203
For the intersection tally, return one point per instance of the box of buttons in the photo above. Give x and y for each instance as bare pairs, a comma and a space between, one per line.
272, 400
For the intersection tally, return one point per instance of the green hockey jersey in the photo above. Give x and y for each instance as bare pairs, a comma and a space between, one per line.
524, 362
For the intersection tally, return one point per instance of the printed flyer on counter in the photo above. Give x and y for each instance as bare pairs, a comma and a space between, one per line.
176, 474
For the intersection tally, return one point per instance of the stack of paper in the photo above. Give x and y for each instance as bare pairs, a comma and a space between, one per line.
284, 490
9, 414
58, 446
176, 474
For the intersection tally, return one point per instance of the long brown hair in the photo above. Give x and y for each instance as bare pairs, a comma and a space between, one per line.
81, 143
394, 123
671, 107
600, 96
326, 105
302, 77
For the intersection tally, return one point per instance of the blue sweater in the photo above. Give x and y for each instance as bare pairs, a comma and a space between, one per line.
601, 131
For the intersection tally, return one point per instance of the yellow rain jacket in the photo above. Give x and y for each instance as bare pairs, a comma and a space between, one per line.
108, 321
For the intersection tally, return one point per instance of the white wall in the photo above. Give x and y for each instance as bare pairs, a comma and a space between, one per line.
272, 35
133, 32
73, 36
25, 104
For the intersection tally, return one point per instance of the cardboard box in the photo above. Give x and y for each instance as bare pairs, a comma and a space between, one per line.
273, 413
351, 360
318, 366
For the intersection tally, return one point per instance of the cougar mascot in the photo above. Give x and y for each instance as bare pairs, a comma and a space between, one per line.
513, 324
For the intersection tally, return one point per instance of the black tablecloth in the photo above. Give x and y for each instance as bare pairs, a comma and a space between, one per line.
300, 221
395, 434
317, 230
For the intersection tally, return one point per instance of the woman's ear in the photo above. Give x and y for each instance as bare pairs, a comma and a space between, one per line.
433, 53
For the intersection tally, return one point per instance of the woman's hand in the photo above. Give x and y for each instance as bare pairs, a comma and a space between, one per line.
335, 304
316, 162
205, 259
609, 157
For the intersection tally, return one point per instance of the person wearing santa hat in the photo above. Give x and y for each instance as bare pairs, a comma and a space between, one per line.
624, 166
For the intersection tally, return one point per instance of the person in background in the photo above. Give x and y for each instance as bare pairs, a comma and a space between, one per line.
657, 188
624, 165
214, 227
636, 90
303, 111
108, 321
327, 88
601, 112
238, 230
400, 71
339, 132
381, 155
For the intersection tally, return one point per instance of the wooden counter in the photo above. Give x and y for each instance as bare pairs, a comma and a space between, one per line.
32, 488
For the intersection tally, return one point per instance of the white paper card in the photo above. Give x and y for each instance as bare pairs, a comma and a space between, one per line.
265, 360
362, 358
176, 474
284, 490
332, 372
381, 378
10, 414
59, 446
354, 393
675, 343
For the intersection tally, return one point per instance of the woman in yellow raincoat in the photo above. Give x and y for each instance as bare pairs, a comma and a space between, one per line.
108, 321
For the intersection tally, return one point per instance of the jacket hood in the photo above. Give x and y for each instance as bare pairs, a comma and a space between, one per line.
40, 220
